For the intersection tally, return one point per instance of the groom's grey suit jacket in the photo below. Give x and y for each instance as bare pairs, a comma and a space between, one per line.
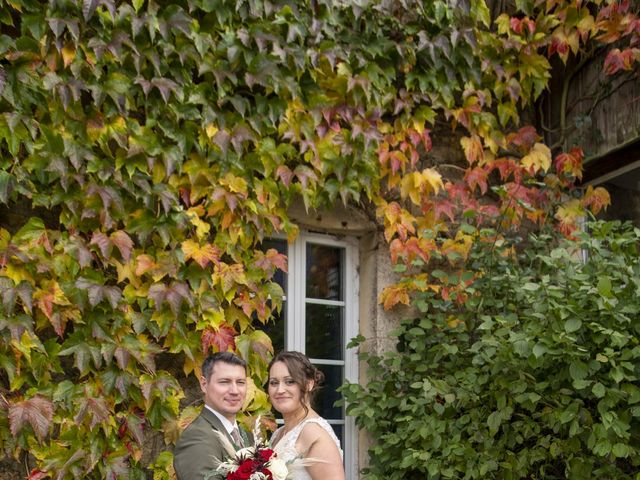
199, 449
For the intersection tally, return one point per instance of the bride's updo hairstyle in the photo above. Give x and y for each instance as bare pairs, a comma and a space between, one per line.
301, 371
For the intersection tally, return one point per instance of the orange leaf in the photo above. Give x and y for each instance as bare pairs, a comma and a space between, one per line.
144, 263
228, 275
202, 254
221, 339
596, 199
570, 163
393, 295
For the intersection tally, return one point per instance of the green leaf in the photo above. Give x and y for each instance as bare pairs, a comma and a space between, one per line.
621, 450
604, 286
572, 325
599, 390
578, 370
7, 184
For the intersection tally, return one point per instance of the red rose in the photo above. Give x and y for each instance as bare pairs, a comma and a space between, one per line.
268, 473
244, 470
265, 454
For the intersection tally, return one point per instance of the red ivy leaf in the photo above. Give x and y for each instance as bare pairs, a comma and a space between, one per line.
570, 163
122, 357
620, 60
37, 412
270, 260
477, 177
176, 294
37, 474
445, 207
103, 242
524, 138
124, 244
304, 174
285, 174
221, 339
95, 407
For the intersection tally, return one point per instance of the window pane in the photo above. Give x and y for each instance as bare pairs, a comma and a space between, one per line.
324, 326
327, 395
275, 328
324, 272
339, 431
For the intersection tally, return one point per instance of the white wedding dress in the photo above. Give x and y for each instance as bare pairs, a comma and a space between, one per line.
286, 446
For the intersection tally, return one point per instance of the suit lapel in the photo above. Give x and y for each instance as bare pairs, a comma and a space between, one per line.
215, 422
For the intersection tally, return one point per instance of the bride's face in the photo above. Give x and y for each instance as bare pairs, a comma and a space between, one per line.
285, 394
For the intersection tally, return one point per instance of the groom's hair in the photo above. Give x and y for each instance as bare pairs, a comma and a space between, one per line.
225, 357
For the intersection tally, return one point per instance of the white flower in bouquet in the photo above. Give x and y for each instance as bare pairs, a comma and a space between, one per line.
278, 468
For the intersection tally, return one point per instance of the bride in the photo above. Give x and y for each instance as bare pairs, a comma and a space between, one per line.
292, 382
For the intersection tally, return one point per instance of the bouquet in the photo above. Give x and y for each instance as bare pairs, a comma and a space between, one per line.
254, 463
258, 462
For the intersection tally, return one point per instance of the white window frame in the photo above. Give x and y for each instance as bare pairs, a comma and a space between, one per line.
295, 330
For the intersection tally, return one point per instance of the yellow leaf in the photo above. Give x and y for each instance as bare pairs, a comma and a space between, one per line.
472, 147
408, 188
454, 322
127, 272
418, 125
188, 366
68, 54
4, 238
211, 130
570, 212
212, 318
539, 158
202, 227
256, 399
27, 343
17, 274
586, 23
235, 184
433, 179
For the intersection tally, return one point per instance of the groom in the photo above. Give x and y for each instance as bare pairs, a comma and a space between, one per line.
224, 385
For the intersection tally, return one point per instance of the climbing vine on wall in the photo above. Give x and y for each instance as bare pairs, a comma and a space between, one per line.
166, 140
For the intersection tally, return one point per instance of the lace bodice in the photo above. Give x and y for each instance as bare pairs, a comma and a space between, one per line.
286, 447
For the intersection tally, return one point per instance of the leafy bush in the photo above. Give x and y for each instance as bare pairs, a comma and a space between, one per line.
536, 376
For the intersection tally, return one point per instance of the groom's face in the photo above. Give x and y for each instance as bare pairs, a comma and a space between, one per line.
226, 389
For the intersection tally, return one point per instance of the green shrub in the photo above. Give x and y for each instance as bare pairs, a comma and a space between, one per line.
535, 376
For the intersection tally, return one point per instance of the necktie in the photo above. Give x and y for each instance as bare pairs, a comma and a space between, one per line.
235, 434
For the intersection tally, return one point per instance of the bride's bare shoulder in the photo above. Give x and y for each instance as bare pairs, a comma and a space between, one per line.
311, 433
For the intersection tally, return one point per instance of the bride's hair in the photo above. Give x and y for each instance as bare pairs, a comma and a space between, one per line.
302, 371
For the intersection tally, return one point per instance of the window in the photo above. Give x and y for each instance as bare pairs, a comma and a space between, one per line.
319, 317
